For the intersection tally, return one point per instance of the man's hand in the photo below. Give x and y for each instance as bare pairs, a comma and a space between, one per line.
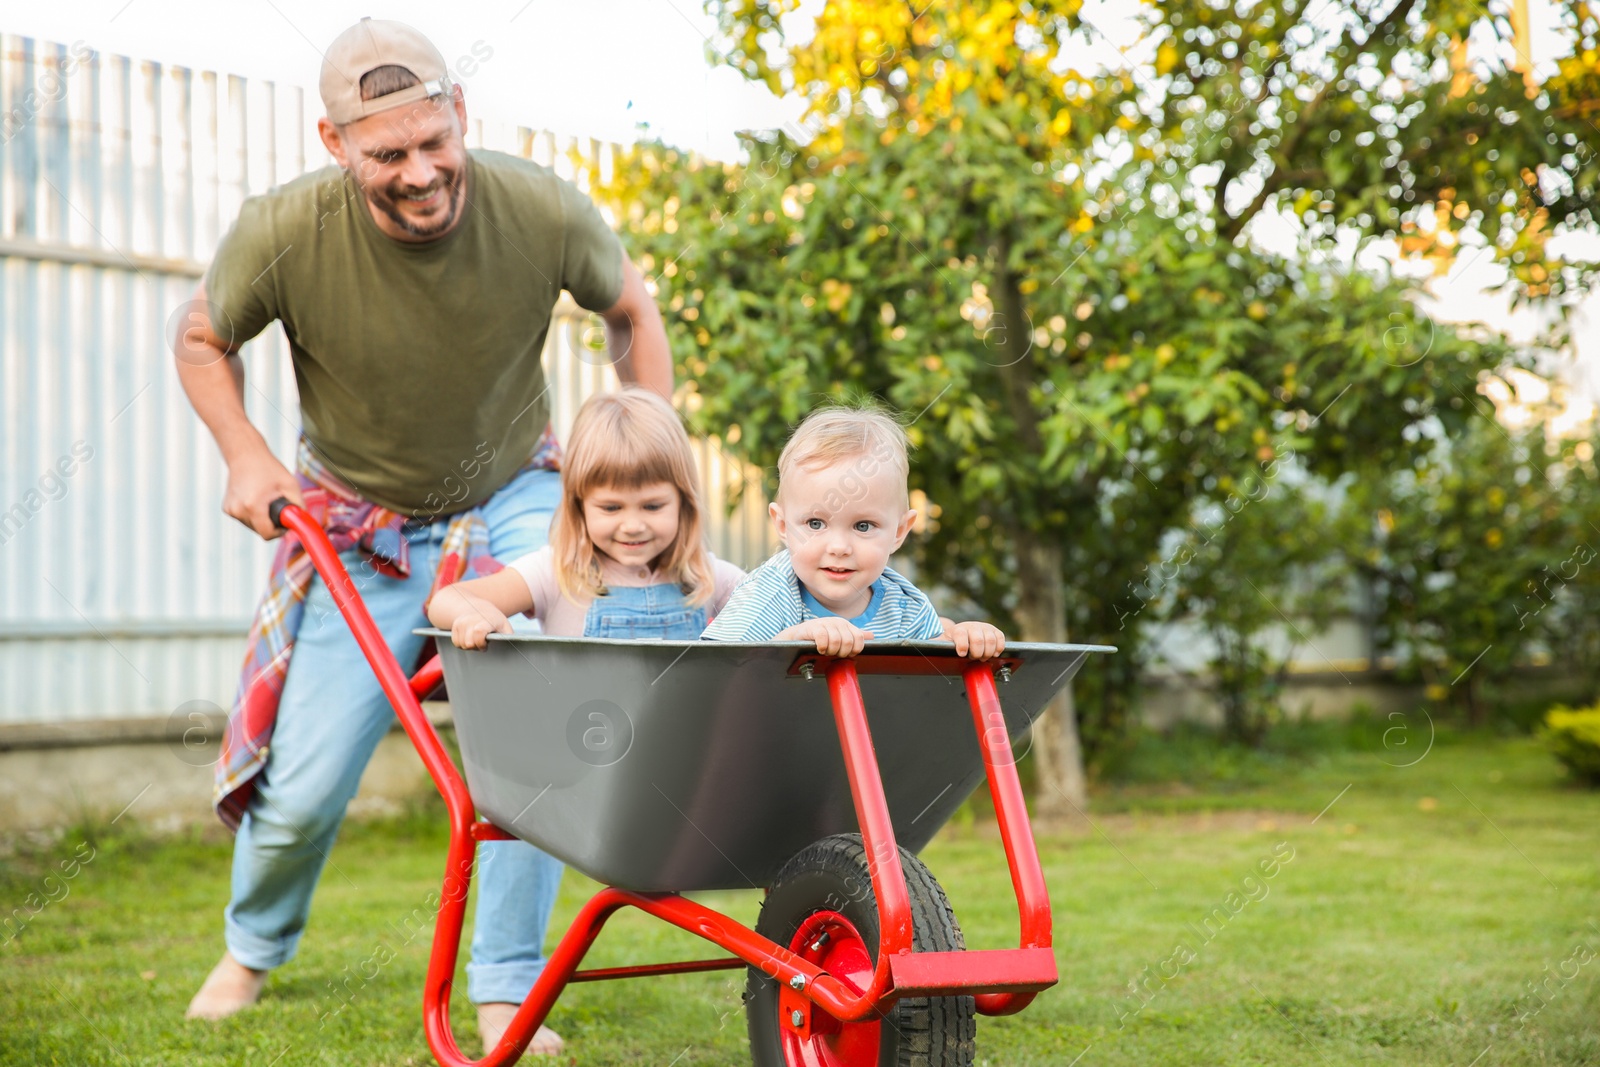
977, 640
834, 636
254, 482
477, 621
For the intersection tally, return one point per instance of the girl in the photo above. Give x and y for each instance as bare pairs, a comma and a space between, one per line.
627, 555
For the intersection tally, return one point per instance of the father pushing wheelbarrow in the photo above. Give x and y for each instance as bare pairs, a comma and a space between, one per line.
415, 282
425, 455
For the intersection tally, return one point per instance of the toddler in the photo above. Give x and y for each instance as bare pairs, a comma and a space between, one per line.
842, 509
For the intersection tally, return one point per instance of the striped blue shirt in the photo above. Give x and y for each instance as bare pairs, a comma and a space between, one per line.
771, 599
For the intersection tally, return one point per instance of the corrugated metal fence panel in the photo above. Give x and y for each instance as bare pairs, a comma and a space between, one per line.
123, 589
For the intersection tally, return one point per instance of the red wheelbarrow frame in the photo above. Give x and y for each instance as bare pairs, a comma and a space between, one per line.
1001, 981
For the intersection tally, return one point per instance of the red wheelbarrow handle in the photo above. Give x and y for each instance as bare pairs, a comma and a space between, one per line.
1013, 975
396, 686
458, 802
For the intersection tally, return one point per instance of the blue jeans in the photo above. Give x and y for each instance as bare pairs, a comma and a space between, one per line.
331, 717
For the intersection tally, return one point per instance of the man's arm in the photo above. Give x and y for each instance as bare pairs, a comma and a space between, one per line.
637, 336
212, 376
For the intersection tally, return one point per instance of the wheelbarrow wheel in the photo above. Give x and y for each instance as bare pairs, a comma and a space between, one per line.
822, 908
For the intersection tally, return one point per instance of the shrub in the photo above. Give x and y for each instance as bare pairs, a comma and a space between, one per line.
1574, 737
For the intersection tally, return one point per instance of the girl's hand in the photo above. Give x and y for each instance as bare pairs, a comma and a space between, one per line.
473, 626
834, 636
977, 640
472, 610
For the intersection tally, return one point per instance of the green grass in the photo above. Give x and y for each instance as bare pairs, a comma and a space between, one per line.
1407, 928
1191, 768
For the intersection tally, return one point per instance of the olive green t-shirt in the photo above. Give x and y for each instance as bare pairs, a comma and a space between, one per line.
415, 361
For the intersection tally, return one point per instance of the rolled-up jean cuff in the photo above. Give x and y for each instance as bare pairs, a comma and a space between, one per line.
257, 952
502, 983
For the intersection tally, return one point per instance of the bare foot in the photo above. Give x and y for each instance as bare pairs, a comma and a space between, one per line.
493, 1020
230, 987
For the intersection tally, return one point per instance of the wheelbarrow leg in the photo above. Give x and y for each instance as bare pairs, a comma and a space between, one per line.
531, 1014
872, 814
1011, 813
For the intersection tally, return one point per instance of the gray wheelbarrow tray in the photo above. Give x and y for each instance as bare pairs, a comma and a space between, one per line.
675, 766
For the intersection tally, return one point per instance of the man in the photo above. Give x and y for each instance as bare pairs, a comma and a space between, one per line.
415, 282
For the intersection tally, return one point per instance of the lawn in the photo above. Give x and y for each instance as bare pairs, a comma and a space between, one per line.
1446, 912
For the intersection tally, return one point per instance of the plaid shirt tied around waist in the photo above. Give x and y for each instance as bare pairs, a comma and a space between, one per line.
351, 523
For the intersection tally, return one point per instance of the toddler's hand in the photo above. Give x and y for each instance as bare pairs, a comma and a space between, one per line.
978, 640
834, 636
472, 628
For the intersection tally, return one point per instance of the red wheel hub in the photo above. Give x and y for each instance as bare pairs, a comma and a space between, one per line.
831, 942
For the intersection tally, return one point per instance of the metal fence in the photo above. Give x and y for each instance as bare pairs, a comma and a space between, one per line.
123, 590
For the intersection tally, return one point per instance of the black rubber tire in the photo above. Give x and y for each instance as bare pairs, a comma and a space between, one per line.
832, 874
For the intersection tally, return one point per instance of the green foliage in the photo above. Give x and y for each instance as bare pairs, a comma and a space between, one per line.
1209, 763
1467, 549
1574, 737
1048, 271
1257, 574
1471, 563
1150, 376
1371, 116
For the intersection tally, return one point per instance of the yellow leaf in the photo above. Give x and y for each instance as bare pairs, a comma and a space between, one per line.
838, 294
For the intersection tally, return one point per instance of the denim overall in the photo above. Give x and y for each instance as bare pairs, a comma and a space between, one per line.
644, 613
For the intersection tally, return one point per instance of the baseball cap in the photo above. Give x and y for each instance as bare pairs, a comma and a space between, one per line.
373, 43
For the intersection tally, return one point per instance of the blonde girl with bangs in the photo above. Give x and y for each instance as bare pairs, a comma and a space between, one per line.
627, 556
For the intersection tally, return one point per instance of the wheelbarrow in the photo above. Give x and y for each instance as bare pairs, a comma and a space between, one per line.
664, 767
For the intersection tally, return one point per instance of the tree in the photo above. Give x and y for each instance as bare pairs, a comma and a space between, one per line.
1467, 550
1264, 578
1373, 117
1009, 252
